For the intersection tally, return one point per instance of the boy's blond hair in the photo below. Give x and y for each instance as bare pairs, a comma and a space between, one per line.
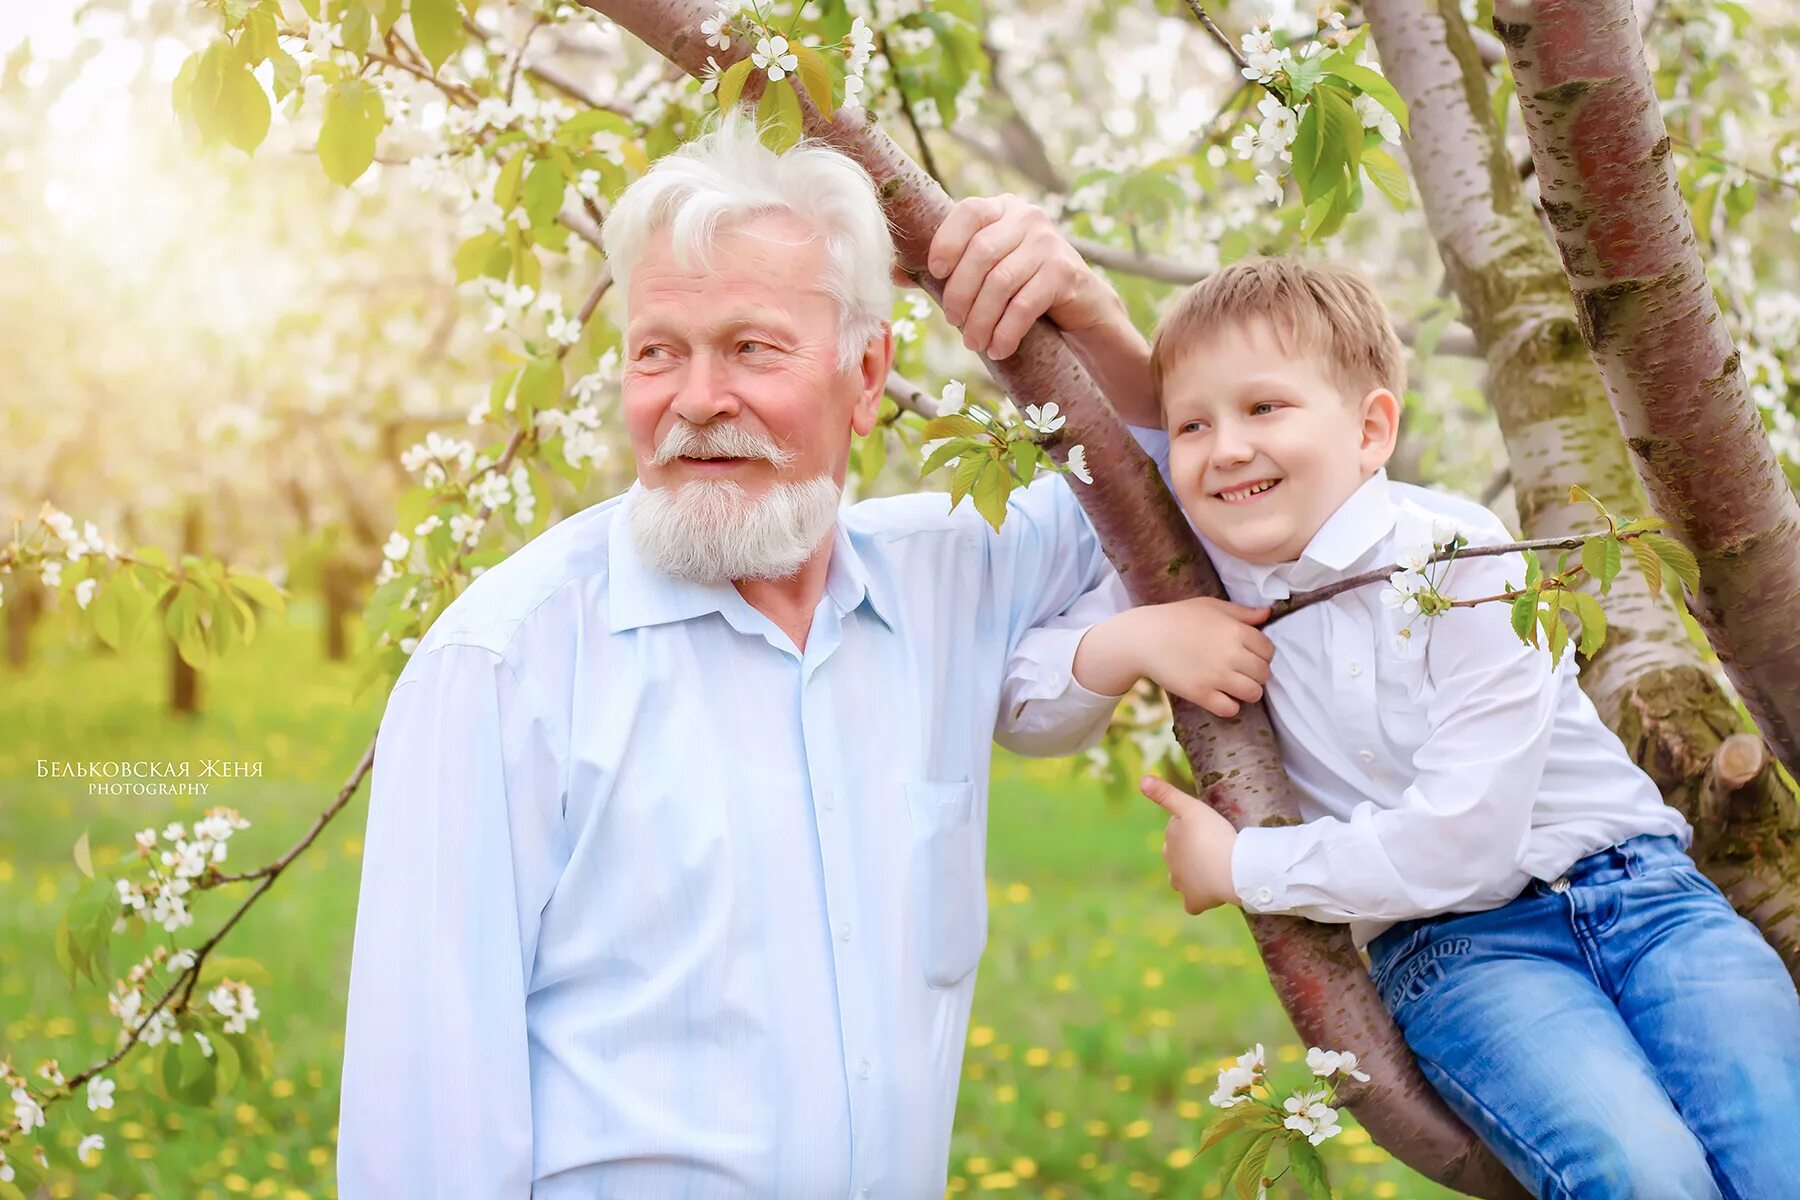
1332, 312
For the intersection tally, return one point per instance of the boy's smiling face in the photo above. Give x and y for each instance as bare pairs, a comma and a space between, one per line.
1265, 443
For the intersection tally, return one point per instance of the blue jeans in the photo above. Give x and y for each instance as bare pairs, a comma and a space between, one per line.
1620, 1032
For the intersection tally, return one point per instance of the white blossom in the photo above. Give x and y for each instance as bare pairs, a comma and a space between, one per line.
1268, 187
772, 56
1262, 58
566, 330
99, 1093
1375, 117
709, 83
92, 1142
952, 397
1326, 1063
853, 86
862, 45
52, 573
396, 547
1077, 464
1045, 420
1415, 558
146, 838
1310, 1116
717, 29
26, 1111
465, 529
236, 1002
425, 527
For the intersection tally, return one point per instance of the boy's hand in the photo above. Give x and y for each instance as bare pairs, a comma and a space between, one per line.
1196, 847
1005, 264
1206, 651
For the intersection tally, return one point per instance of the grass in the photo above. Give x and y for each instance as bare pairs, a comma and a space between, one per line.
1100, 1018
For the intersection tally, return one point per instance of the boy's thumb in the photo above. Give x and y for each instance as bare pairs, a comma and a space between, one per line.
1166, 794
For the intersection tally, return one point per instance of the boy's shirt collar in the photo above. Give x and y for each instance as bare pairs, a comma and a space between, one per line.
1357, 527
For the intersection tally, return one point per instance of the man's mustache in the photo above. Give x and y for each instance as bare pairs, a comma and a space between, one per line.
687, 440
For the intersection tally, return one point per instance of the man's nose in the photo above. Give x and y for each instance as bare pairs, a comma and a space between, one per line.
705, 393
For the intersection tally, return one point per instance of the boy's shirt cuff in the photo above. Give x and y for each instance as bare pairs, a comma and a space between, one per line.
1259, 862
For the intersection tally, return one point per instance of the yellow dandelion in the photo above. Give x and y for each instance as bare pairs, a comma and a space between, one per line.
282, 1088
981, 1035
1037, 1056
1006, 1093
1055, 1119
1368, 1154
976, 1070
1018, 893
999, 1181
1086, 1162
265, 1188
1188, 1110
1062, 983
1386, 1187
235, 1183
318, 1156
1162, 1018
977, 1165
1097, 1128
1196, 1074
1288, 1052
1121, 1083
1137, 1128
1024, 1168
1065, 1058
1180, 1158
1153, 978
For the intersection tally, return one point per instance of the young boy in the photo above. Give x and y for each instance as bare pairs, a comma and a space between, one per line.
1578, 992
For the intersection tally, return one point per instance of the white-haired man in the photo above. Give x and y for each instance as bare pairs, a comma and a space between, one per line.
673, 882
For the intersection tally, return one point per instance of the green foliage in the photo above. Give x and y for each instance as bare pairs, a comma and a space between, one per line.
354, 117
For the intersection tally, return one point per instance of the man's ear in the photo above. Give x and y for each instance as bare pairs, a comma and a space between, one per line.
877, 360
1379, 413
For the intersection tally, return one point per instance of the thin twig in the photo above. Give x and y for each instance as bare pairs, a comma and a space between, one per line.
926, 158
512, 80
1299, 600
1217, 34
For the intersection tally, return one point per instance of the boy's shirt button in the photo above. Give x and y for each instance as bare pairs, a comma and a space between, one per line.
1367, 756
1353, 667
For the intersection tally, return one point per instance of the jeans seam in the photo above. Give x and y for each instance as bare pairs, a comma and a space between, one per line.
1529, 1151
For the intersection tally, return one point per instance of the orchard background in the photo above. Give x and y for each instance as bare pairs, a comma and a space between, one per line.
305, 325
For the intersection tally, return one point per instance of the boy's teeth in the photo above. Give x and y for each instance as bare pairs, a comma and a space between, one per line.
1246, 493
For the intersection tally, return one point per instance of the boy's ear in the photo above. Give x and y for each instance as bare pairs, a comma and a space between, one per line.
1380, 415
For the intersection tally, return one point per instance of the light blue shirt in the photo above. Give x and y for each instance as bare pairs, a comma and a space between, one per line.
656, 905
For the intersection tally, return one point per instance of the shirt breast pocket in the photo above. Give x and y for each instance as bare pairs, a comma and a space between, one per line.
950, 884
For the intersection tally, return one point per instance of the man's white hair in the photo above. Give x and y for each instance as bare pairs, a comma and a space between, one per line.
727, 176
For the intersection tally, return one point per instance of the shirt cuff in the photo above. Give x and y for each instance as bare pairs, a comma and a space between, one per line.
1050, 673
1049, 712
1259, 862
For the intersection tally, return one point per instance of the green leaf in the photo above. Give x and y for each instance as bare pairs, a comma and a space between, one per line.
816, 77
1303, 73
1675, 556
1580, 495
1024, 459
1556, 634
1374, 85
779, 115
731, 83
1648, 564
84, 858
1245, 1116
258, 42
439, 29
1593, 623
257, 588
540, 386
1308, 1169
105, 613
1600, 558
543, 192
953, 448
992, 485
1342, 129
182, 620
1524, 616
354, 116
964, 478
1639, 524
1533, 569
1387, 176
1306, 151
954, 425
1502, 102
872, 454
1248, 1178
483, 254
506, 184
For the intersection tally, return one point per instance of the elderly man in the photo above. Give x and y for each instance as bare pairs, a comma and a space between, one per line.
674, 871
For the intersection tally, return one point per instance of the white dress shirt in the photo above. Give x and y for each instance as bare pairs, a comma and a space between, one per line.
656, 905
1437, 773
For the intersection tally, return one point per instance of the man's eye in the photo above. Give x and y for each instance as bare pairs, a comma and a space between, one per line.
652, 351
750, 346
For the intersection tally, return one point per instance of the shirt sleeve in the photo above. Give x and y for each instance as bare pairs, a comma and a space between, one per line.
462, 851
1044, 709
1461, 826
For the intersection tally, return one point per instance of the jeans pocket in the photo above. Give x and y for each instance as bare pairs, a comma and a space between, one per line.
952, 886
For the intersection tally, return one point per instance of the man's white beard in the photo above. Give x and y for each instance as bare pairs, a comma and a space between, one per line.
711, 530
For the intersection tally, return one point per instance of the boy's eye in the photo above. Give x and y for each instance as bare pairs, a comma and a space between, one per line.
1266, 406
1193, 427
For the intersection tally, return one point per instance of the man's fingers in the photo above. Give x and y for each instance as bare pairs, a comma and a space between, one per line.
965, 220
983, 273
1015, 282
1028, 304
1167, 795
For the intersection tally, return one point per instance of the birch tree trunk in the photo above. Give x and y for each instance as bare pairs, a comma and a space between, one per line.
1646, 311
1648, 681
1315, 969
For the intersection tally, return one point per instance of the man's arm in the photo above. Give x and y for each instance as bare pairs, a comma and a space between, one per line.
1462, 823
464, 844
1005, 264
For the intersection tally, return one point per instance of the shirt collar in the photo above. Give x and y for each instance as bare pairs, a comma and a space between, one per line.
639, 594
1357, 526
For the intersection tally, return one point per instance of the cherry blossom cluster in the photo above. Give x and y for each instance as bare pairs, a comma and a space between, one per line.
1309, 1113
175, 869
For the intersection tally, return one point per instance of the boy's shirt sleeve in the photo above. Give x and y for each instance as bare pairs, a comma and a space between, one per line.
1044, 710
1462, 824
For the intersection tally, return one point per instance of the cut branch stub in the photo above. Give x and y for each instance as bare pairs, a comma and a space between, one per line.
1315, 969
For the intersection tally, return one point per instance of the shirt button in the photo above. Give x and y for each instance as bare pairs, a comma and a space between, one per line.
862, 1069
1264, 895
844, 932
1353, 667
1367, 756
